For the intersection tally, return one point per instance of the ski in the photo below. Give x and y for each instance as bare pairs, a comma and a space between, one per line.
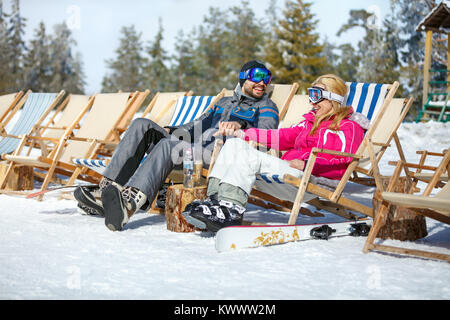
35, 194
239, 237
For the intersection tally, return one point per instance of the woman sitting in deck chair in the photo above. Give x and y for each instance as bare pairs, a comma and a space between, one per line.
329, 125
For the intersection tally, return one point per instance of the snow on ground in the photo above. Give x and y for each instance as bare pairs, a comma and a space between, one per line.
48, 250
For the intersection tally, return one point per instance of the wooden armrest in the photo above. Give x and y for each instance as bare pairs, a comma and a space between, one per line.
380, 144
413, 165
104, 142
55, 128
432, 153
336, 153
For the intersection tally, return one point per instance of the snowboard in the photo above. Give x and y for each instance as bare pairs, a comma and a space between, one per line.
239, 237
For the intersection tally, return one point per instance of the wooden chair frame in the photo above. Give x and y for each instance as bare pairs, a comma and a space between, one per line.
427, 210
52, 162
333, 201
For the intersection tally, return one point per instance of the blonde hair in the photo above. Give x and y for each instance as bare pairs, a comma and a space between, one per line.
336, 85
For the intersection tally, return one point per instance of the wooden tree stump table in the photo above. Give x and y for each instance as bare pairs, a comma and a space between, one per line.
21, 177
177, 198
401, 223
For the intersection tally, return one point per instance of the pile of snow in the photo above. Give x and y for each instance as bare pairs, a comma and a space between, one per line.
48, 250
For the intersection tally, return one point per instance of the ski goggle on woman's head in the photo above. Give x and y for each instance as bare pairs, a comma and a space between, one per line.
256, 75
317, 94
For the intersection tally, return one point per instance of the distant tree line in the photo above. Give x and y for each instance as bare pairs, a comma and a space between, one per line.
46, 63
207, 58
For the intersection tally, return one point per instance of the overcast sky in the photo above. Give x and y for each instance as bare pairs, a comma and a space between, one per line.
96, 23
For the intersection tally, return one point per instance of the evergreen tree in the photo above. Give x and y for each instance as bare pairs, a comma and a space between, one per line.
295, 54
66, 70
156, 73
183, 70
126, 67
244, 38
5, 76
210, 54
37, 63
347, 62
377, 50
16, 46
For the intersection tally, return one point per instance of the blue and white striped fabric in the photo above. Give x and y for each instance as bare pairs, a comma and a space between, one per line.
33, 109
98, 165
366, 98
189, 108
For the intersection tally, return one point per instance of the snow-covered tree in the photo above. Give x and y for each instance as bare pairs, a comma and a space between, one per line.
37, 70
126, 68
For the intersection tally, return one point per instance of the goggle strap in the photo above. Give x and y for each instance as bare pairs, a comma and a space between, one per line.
333, 96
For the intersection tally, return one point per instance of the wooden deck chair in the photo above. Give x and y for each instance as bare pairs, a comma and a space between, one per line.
421, 173
105, 112
161, 107
9, 104
293, 115
135, 103
35, 110
385, 113
186, 109
53, 129
282, 95
436, 207
126, 119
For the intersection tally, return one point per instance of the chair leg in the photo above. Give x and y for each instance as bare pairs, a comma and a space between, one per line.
6, 176
380, 218
302, 188
376, 226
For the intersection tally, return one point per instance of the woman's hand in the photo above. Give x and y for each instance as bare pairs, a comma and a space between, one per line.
297, 164
227, 128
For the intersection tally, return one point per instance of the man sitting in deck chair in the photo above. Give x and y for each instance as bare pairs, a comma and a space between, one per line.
329, 125
128, 185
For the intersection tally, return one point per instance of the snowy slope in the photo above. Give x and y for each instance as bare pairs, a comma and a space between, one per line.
48, 250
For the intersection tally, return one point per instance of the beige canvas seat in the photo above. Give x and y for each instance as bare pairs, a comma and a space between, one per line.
435, 207
105, 112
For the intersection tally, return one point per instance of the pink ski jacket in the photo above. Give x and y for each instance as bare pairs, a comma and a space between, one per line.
297, 143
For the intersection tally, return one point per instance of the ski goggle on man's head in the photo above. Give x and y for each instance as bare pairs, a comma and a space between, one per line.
256, 75
317, 94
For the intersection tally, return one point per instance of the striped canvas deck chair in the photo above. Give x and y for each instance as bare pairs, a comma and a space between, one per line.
187, 108
158, 110
35, 110
9, 105
101, 116
435, 207
384, 123
162, 106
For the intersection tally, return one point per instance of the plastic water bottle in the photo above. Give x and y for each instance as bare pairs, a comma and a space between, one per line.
188, 168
